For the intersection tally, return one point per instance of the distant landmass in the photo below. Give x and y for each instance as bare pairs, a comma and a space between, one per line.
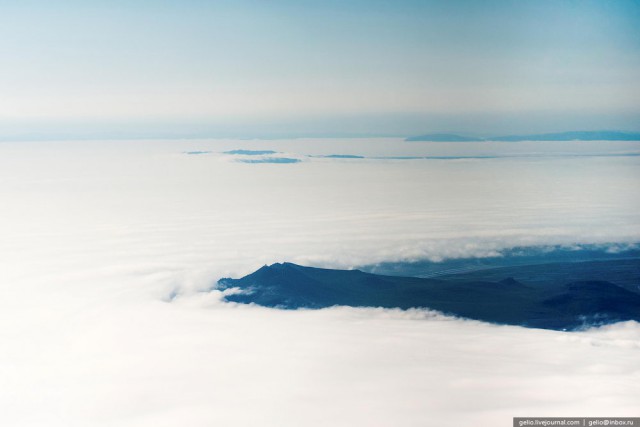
530, 256
574, 136
559, 296
250, 152
560, 136
278, 160
343, 156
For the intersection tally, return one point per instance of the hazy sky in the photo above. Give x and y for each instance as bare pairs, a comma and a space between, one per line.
330, 66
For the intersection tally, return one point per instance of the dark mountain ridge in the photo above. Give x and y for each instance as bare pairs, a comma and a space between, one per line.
566, 305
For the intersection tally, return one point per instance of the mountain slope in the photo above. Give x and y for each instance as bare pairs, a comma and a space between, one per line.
506, 301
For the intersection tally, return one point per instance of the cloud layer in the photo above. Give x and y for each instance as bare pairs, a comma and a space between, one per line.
107, 249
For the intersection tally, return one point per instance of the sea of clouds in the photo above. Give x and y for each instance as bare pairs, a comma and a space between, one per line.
109, 250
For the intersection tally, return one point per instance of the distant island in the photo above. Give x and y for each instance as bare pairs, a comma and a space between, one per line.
574, 136
343, 156
559, 136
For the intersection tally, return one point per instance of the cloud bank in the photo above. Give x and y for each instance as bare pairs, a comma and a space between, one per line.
108, 247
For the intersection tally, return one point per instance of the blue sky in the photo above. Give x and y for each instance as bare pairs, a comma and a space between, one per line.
320, 67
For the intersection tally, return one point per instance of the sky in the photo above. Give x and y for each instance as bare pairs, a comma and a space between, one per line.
110, 250
251, 68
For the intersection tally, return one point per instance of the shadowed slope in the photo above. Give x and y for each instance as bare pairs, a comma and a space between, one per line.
506, 301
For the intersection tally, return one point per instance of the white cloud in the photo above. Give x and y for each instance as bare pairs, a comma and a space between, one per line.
97, 236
